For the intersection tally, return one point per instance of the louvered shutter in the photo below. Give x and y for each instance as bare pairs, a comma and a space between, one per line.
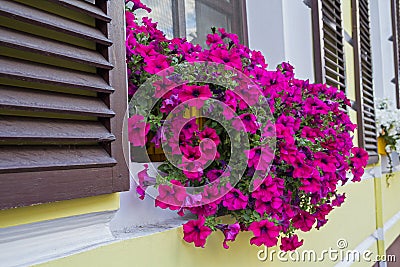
328, 43
364, 79
395, 6
62, 100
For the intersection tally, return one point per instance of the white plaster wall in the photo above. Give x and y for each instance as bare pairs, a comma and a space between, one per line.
134, 212
382, 49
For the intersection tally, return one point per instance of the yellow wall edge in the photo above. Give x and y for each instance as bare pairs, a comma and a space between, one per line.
61, 209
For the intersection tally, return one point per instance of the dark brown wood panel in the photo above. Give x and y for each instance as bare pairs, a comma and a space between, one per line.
26, 188
367, 137
47, 47
119, 99
50, 131
395, 7
81, 153
41, 158
34, 16
24, 99
329, 60
84, 7
34, 72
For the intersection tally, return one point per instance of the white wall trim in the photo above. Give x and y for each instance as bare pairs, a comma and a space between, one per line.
35, 243
370, 240
369, 173
39, 242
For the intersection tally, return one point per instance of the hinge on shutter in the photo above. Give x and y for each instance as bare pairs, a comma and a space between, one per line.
354, 105
348, 38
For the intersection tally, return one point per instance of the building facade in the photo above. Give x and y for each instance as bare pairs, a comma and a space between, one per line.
64, 181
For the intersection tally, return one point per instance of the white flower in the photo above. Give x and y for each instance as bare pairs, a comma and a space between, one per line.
398, 146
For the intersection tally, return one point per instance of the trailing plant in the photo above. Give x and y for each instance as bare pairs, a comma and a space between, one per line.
299, 137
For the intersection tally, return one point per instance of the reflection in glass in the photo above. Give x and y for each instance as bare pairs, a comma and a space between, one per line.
161, 13
200, 18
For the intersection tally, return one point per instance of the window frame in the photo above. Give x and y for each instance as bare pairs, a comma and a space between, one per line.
239, 24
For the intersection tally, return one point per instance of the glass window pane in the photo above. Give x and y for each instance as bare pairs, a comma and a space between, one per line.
161, 13
200, 18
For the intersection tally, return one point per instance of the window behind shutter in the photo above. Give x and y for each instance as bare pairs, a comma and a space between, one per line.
363, 78
329, 59
62, 100
396, 46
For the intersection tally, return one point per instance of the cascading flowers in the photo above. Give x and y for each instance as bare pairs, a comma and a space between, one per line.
314, 148
387, 119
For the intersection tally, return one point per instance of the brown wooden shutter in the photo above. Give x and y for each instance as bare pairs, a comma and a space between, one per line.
395, 6
367, 136
329, 60
62, 100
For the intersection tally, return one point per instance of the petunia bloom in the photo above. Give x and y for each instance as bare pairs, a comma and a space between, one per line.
195, 231
137, 130
235, 200
230, 232
265, 233
290, 243
249, 121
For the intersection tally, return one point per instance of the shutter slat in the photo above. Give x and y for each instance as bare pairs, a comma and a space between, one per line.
47, 47
370, 147
41, 18
27, 188
335, 46
336, 82
22, 99
331, 15
340, 60
38, 158
335, 64
334, 72
84, 7
336, 37
51, 131
33, 72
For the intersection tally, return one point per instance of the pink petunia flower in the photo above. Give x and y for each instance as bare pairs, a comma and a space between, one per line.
325, 162
230, 232
235, 200
171, 196
249, 121
195, 231
359, 158
269, 188
137, 130
290, 243
198, 94
210, 133
265, 233
303, 221
155, 64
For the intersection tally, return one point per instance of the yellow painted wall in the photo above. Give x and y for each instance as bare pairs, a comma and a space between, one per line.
354, 221
391, 206
61, 209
